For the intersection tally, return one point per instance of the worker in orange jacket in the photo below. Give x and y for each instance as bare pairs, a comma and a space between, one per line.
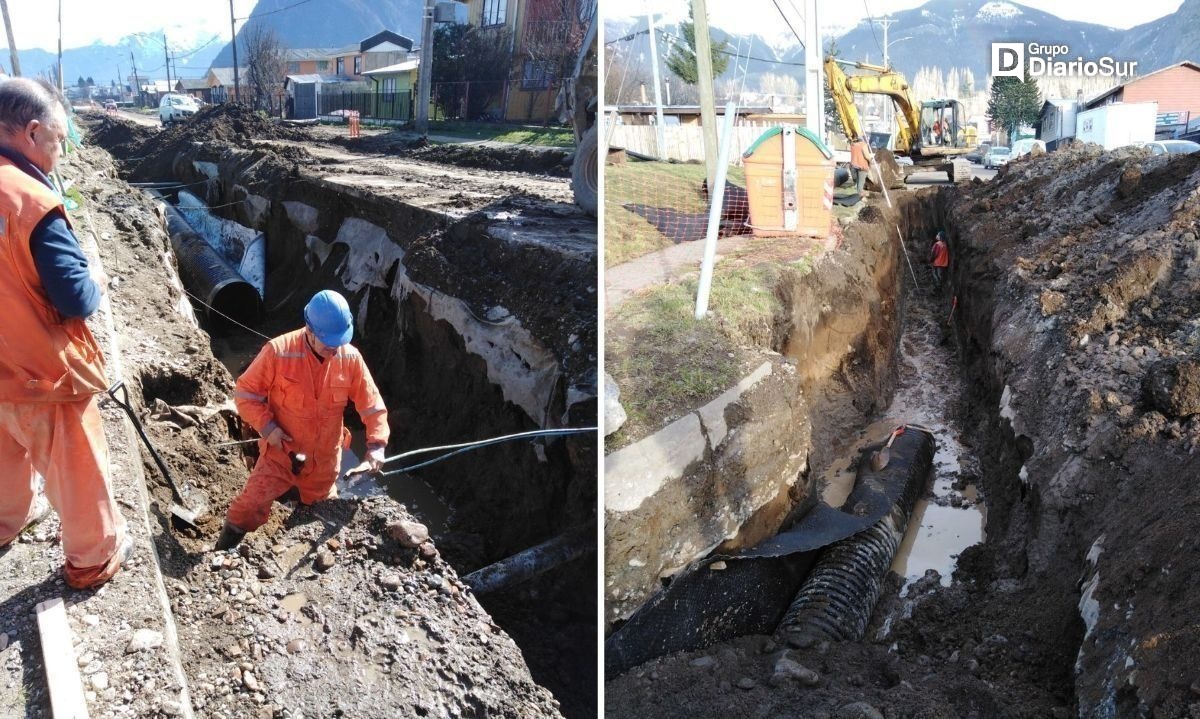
939, 259
859, 163
294, 394
51, 367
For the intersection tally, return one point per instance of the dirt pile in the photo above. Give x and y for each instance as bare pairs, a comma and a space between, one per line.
121, 137
541, 160
1080, 287
152, 158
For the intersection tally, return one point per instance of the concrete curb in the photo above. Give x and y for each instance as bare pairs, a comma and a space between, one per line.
634, 473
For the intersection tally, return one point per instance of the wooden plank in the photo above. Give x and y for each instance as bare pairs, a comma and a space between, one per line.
58, 656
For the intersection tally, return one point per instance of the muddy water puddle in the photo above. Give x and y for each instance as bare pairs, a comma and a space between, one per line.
951, 516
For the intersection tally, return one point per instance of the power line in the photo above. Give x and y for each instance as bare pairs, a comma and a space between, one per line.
789, 23
676, 38
264, 14
871, 21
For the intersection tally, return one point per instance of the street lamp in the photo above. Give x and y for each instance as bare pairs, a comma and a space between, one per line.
887, 106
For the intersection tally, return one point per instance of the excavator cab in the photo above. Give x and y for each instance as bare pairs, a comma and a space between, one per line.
942, 125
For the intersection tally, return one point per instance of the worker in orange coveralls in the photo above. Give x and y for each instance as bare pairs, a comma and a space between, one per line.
51, 368
294, 394
939, 259
859, 163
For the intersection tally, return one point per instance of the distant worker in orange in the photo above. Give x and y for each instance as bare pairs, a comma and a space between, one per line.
51, 367
860, 163
294, 394
939, 259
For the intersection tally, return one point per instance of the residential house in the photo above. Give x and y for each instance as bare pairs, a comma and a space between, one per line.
309, 61
546, 35
220, 81
1056, 122
392, 88
1176, 89
378, 51
196, 87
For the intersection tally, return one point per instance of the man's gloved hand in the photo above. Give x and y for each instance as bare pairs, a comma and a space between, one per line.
277, 437
375, 459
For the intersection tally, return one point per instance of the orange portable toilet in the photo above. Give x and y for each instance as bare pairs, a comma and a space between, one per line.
789, 183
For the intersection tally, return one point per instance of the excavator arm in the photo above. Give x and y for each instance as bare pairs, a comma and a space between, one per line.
884, 81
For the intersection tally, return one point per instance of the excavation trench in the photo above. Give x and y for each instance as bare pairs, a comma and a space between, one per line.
922, 364
475, 323
422, 344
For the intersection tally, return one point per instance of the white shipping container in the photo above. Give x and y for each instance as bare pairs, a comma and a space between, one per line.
1118, 124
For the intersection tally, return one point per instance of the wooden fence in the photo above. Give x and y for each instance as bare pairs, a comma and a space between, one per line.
683, 143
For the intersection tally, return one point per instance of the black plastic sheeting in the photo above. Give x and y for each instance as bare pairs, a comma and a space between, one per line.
706, 604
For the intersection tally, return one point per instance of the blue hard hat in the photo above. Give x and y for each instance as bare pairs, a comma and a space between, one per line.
328, 316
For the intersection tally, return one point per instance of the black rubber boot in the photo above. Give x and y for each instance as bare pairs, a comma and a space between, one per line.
230, 537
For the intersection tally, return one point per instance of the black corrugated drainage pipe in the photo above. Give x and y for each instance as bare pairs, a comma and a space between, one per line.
226, 295
839, 595
726, 596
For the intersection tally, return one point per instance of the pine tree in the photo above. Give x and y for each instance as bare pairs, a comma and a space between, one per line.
833, 120
682, 60
1014, 103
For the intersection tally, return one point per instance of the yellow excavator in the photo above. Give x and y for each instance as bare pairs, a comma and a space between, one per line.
932, 133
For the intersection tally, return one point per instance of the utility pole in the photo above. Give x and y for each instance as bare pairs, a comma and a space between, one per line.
658, 107
137, 84
167, 58
236, 89
425, 73
814, 90
61, 88
704, 80
886, 22
12, 44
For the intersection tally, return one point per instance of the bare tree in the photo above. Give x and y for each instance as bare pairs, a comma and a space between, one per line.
265, 65
553, 34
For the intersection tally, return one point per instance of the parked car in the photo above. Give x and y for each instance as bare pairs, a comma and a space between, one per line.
1021, 148
110, 105
176, 108
996, 157
978, 153
1173, 147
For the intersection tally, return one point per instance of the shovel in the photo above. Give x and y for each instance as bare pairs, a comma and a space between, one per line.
178, 510
879, 460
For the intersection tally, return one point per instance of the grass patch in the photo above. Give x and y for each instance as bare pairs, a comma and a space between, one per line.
627, 235
667, 363
514, 134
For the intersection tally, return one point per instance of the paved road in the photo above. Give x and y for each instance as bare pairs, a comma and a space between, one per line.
924, 179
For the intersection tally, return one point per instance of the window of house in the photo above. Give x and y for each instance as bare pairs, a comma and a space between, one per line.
293, 67
341, 66
389, 84
494, 12
322, 66
535, 75
358, 64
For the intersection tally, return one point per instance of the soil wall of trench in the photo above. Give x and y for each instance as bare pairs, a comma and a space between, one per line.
831, 365
1078, 276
